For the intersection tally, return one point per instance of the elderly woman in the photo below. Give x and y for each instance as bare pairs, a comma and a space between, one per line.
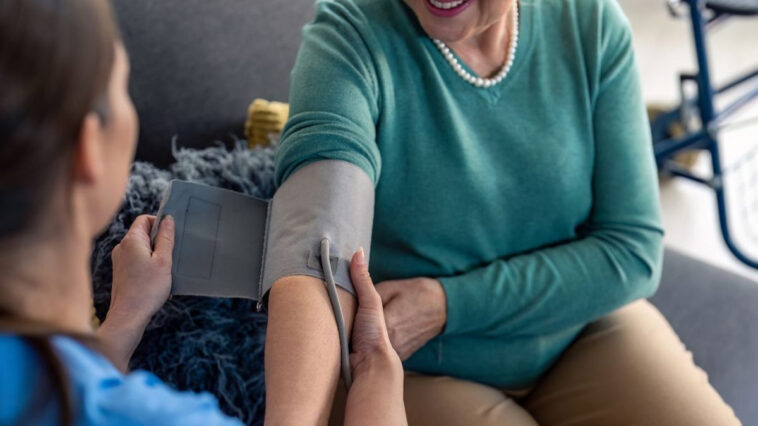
516, 228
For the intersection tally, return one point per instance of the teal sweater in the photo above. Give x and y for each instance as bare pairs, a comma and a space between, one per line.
534, 202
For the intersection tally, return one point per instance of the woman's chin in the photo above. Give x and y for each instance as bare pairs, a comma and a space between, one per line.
445, 33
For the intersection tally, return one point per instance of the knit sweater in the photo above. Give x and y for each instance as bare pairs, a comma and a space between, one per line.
534, 202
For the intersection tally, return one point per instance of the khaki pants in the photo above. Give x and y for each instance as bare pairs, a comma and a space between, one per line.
628, 368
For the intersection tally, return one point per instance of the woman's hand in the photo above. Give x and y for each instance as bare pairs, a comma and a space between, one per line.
141, 275
376, 396
415, 310
370, 342
141, 285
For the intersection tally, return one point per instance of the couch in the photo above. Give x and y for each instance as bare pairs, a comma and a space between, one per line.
197, 64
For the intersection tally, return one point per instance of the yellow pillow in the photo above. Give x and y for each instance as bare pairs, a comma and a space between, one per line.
264, 118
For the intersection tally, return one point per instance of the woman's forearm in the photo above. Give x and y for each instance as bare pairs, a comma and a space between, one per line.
119, 336
553, 288
302, 353
376, 396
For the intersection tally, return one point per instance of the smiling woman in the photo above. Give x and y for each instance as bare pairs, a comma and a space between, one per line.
516, 223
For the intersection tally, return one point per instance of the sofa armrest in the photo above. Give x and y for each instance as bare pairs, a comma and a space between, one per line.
715, 313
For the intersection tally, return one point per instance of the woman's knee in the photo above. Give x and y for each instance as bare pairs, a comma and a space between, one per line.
629, 367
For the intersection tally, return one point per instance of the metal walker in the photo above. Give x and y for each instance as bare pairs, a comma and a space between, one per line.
696, 116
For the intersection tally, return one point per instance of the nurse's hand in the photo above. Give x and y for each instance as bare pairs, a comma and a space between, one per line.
141, 285
370, 342
141, 274
415, 311
376, 396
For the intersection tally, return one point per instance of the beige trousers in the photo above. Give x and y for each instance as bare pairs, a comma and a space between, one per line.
628, 368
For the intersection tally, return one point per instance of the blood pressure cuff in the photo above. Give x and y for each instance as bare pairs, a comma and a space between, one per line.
229, 244
330, 199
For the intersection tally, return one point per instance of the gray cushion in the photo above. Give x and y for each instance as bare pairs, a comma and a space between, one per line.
716, 314
197, 64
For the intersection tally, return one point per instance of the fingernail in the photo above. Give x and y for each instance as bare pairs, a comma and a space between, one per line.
169, 221
361, 259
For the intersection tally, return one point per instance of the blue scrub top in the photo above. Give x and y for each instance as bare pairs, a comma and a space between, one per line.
102, 394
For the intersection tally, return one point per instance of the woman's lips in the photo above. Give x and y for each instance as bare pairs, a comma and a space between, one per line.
448, 8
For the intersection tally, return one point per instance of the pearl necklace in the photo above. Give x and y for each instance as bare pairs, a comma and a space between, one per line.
479, 81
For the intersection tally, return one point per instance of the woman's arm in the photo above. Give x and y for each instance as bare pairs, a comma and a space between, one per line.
141, 285
376, 395
302, 355
618, 258
333, 114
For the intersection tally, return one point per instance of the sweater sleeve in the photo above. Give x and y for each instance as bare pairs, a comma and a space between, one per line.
617, 258
333, 95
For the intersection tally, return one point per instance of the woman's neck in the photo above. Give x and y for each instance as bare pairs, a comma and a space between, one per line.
48, 281
487, 51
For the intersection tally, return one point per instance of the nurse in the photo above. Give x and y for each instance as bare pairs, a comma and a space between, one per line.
68, 132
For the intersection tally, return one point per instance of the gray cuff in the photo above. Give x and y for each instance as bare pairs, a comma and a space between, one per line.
219, 235
326, 198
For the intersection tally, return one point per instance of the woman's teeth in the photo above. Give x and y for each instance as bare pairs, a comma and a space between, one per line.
447, 5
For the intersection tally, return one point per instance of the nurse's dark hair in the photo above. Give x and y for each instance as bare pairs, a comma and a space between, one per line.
56, 58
